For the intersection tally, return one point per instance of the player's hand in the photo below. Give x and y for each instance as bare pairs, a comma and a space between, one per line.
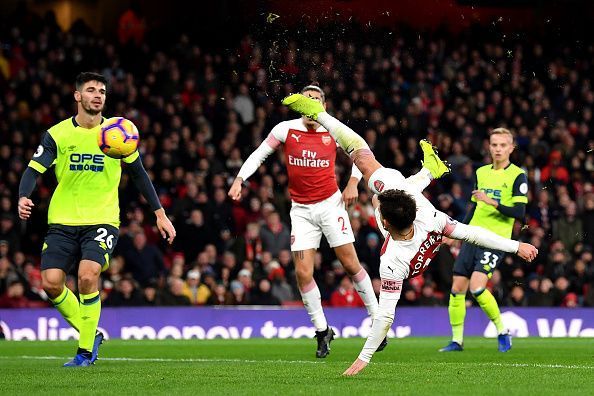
350, 194
355, 368
235, 190
24, 207
481, 196
165, 227
527, 251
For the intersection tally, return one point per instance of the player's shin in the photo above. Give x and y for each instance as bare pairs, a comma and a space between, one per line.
346, 138
90, 311
457, 312
489, 306
312, 300
68, 306
364, 287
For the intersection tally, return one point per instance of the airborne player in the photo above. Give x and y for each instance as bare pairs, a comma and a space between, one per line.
413, 228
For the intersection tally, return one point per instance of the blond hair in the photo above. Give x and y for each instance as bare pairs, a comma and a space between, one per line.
502, 131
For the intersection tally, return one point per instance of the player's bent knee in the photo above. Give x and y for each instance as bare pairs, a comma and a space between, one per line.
88, 281
52, 289
304, 275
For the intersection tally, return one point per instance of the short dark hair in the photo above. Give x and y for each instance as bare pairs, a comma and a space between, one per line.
314, 86
85, 77
398, 208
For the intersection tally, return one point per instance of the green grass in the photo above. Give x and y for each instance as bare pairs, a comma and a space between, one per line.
408, 366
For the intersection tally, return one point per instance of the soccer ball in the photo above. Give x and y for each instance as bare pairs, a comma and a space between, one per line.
118, 137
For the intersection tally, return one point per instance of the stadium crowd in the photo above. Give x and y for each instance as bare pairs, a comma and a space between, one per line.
201, 113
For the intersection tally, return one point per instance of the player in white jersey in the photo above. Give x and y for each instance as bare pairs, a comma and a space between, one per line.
413, 228
317, 208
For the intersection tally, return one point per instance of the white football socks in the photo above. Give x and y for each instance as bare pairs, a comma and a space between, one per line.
312, 300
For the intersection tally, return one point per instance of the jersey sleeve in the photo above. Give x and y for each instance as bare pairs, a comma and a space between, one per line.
475, 187
390, 179
253, 162
277, 135
386, 179
477, 236
45, 155
520, 189
131, 158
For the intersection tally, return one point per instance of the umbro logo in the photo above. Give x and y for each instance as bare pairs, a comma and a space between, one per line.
296, 137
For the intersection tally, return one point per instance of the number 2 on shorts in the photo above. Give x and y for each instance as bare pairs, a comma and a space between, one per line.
341, 221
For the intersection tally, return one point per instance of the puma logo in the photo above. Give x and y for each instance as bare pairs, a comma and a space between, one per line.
296, 137
390, 268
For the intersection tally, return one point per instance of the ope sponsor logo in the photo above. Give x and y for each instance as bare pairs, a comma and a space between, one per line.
87, 162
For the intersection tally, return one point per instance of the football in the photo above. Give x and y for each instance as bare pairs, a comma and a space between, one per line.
118, 137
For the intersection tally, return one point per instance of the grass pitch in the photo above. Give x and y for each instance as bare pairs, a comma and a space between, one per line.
408, 366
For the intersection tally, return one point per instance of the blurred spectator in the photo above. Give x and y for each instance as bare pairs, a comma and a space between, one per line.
220, 296
238, 293
428, 297
554, 171
144, 261
125, 295
517, 297
281, 289
131, 25
14, 297
194, 235
8, 275
263, 294
174, 295
248, 246
275, 234
196, 292
568, 228
346, 295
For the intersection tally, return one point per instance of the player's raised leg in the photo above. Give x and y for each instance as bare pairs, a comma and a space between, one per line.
346, 138
353, 143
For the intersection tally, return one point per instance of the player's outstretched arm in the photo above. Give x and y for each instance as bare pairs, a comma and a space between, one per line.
42, 159
389, 296
485, 238
143, 184
251, 165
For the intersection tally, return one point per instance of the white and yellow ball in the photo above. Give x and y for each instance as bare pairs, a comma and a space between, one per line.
118, 137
